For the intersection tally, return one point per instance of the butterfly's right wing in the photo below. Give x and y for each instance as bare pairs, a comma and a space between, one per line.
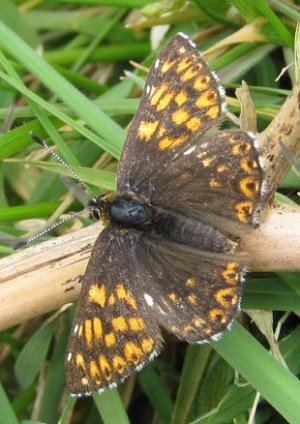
193, 294
219, 177
181, 99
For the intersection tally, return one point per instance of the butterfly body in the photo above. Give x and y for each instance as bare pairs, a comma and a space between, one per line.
167, 257
127, 211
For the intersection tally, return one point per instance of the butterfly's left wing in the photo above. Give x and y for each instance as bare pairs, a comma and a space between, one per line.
112, 334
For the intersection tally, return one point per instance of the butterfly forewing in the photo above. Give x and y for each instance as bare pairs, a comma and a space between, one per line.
112, 333
181, 98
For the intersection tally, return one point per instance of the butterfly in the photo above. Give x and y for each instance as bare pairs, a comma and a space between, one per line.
186, 193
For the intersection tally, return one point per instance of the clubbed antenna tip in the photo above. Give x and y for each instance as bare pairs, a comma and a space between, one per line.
36, 138
19, 244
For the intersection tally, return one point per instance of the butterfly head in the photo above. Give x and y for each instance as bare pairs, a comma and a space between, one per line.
126, 211
98, 206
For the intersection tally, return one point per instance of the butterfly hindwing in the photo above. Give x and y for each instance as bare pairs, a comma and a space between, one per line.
193, 294
219, 176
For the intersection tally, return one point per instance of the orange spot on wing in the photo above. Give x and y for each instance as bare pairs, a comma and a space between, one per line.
189, 74
214, 184
222, 168
192, 299
207, 162
132, 352
79, 361
193, 124
110, 340
125, 295
105, 367
180, 116
97, 294
243, 211
147, 129
198, 322
217, 315
171, 142
190, 282
147, 344
118, 364
201, 83
164, 101
241, 148
206, 99
213, 112
157, 93
162, 131
94, 371
248, 165
226, 297
88, 331
181, 98
119, 324
173, 297
230, 274
98, 331
136, 324
183, 64
249, 186
167, 65
111, 300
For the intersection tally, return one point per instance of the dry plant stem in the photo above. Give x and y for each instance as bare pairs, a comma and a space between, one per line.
275, 245
42, 278
285, 128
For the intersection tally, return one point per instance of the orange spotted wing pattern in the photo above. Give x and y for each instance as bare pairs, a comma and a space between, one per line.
112, 333
185, 194
181, 99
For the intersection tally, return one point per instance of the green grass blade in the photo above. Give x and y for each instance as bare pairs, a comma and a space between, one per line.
194, 366
81, 105
33, 355
7, 414
111, 407
275, 383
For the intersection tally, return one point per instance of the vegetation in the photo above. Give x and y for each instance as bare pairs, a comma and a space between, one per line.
62, 76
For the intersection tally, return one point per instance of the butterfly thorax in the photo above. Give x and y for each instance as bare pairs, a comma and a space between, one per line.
127, 210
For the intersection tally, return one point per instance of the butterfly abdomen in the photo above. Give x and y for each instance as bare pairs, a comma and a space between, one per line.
181, 229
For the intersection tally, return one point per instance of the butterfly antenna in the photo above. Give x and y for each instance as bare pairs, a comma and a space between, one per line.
48, 229
73, 214
62, 161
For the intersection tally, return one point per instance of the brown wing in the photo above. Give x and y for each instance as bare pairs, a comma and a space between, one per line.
191, 293
181, 98
112, 334
219, 176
